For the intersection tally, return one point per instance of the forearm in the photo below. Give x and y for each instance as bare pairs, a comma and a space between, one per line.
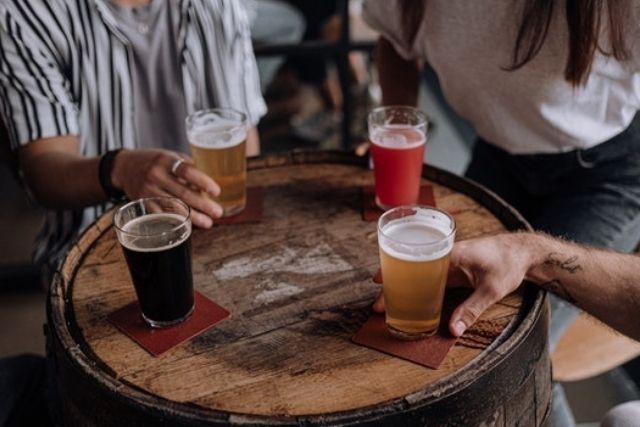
62, 180
604, 284
399, 78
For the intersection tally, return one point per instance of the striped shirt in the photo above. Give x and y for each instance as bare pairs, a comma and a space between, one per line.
66, 69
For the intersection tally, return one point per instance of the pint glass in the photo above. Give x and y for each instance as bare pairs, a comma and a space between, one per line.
155, 235
398, 136
218, 139
414, 243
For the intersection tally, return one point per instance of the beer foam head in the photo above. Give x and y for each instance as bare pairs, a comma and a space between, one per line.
396, 136
427, 235
154, 232
222, 133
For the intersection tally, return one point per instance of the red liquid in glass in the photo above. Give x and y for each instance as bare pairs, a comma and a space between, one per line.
397, 152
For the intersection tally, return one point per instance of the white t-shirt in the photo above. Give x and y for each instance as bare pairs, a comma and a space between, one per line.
530, 110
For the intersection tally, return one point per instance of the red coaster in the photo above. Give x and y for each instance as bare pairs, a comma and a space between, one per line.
252, 212
371, 211
429, 352
128, 319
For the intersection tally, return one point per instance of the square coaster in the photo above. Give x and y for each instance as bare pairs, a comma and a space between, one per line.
252, 212
128, 319
429, 352
371, 211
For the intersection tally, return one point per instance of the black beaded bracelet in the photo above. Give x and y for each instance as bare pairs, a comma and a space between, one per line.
105, 167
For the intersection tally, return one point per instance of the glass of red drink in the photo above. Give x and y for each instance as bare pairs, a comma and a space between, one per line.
398, 136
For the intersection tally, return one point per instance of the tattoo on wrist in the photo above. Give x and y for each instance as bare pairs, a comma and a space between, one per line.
567, 264
570, 265
558, 288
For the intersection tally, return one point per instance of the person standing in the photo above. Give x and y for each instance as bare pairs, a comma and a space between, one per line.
551, 89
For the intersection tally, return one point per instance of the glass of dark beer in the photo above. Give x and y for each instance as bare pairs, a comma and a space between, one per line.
155, 235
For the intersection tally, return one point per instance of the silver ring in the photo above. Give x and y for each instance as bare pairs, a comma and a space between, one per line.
176, 164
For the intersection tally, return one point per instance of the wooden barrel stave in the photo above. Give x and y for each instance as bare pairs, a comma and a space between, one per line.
119, 385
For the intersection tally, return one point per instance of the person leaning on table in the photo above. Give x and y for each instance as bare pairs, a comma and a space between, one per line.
80, 80
603, 283
551, 87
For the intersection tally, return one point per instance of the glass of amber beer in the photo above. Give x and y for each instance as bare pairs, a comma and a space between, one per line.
218, 139
398, 137
414, 243
155, 235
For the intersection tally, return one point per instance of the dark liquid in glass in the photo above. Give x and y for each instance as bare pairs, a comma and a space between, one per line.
160, 267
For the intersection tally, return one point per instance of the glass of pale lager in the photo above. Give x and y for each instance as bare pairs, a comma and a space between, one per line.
218, 139
414, 242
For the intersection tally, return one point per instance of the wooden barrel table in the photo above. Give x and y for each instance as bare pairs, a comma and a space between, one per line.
299, 285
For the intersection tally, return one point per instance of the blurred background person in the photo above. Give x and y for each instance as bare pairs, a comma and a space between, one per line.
273, 22
323, 23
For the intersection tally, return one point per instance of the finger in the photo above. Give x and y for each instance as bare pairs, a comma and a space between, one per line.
456, 254
193, 198
201, 220
468, 312
152, 206
198, 218
149, 190
379, 305
457, 277
196, 177
362, 149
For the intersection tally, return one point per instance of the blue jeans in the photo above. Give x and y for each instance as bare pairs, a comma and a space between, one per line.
588, 196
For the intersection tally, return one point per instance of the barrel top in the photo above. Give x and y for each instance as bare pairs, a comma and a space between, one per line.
298, 285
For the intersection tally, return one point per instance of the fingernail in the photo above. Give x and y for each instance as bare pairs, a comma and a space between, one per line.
459, 327
218, 212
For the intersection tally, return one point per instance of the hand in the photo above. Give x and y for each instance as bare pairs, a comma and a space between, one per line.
494, 266
147, 173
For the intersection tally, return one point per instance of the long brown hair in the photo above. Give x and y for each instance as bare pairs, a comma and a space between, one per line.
584, 20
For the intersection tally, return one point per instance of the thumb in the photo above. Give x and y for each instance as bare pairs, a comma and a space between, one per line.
468, 312
362, 148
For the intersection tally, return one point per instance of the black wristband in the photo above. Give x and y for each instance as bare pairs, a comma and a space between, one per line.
105, 167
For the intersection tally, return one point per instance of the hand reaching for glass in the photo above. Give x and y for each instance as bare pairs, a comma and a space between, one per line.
493, 266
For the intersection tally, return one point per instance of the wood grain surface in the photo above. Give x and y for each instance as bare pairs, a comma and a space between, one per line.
298, 285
